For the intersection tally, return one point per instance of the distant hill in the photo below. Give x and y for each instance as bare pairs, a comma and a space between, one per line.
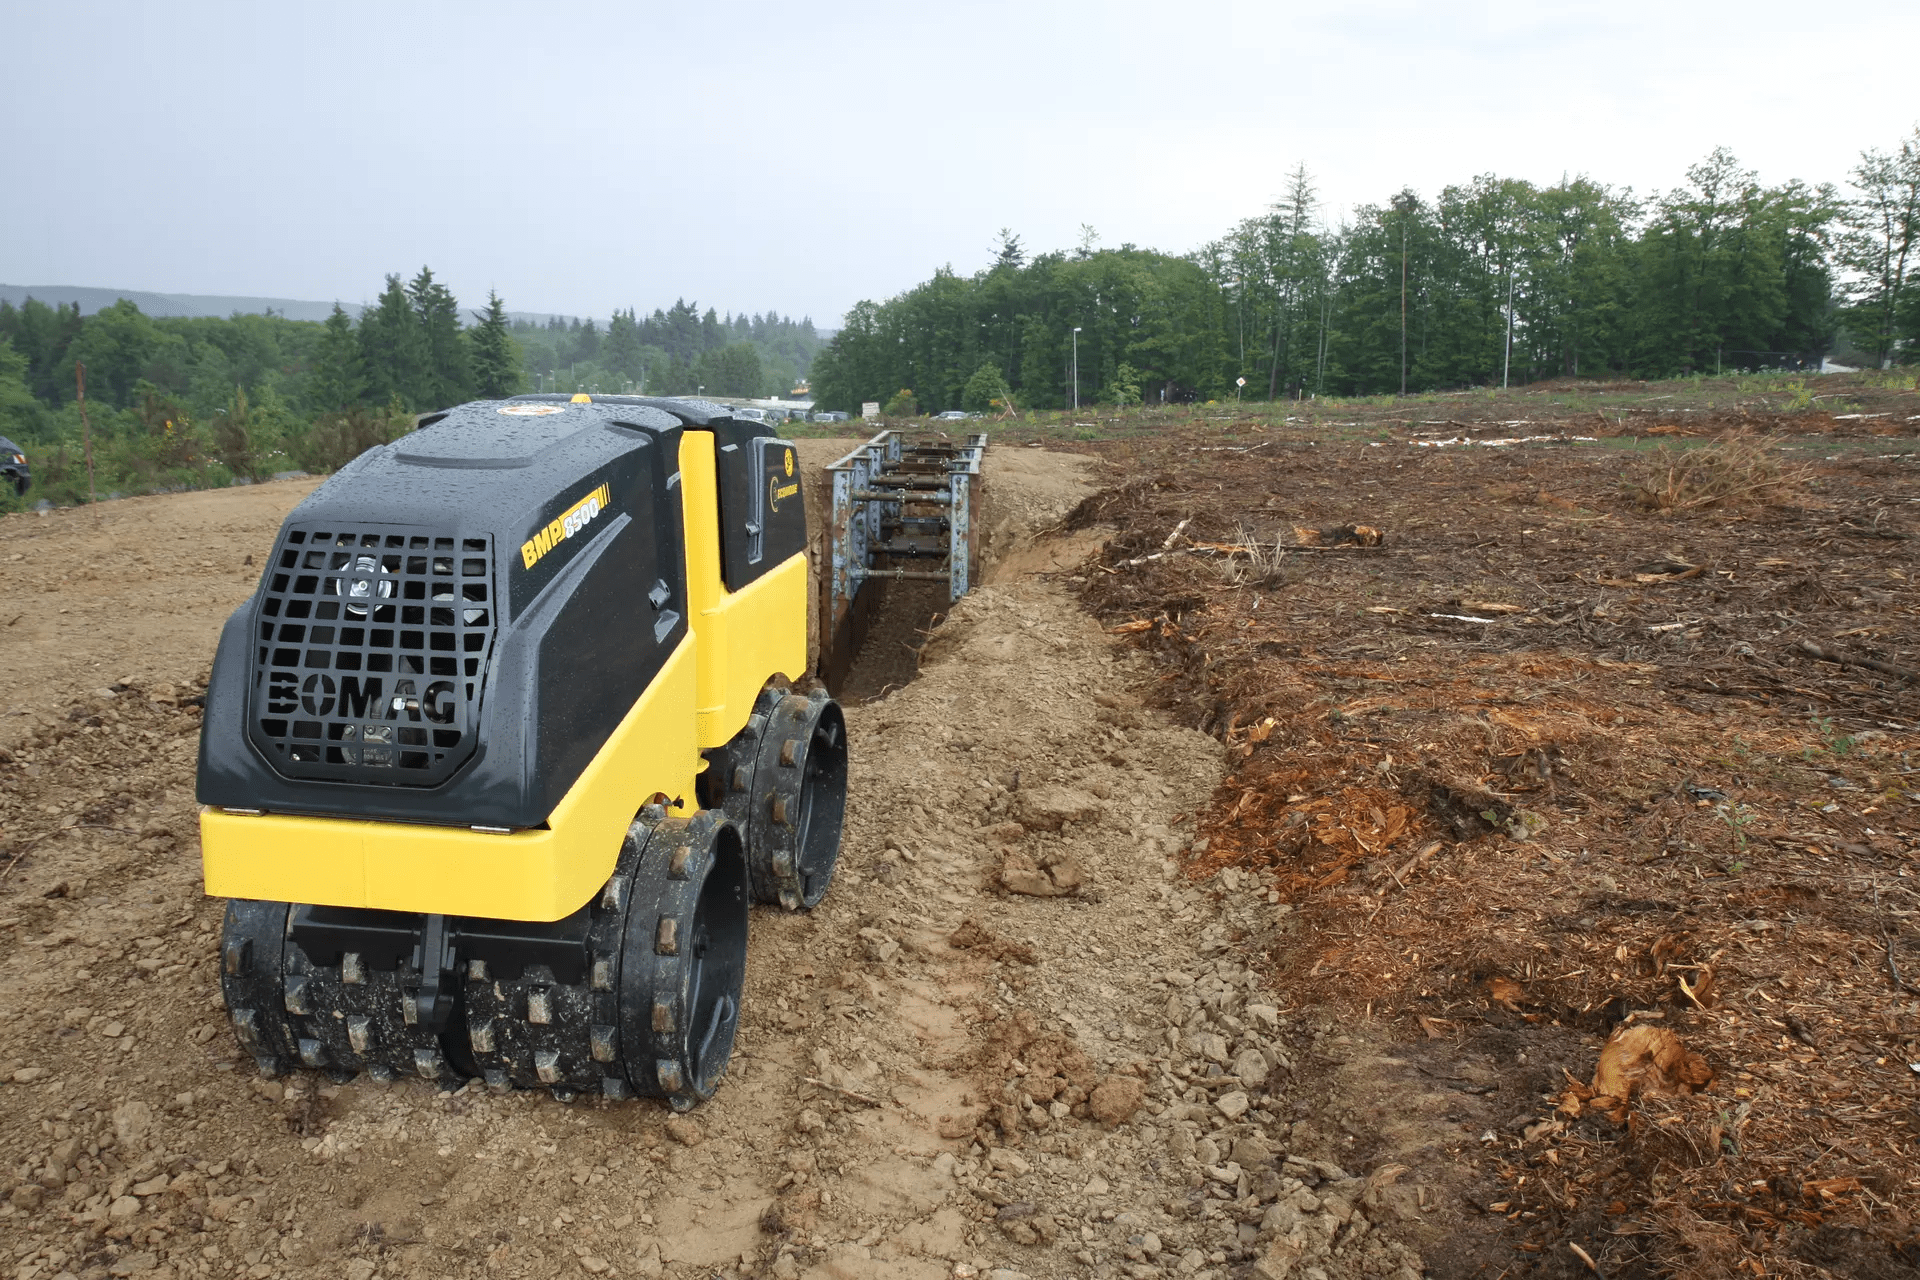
193, 304
168, 304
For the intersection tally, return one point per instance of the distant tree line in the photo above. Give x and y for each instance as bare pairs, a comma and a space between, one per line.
678, 351
1494, 280
178, 402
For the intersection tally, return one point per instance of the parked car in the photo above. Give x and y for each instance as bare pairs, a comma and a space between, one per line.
829, 415
744, 414
950, 415
14, 468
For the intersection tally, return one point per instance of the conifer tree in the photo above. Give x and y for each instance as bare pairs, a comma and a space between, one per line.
620, 350
447, 377
391, 352
496, 356
338, 377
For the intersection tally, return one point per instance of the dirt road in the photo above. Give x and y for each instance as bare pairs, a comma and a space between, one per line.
936, 1076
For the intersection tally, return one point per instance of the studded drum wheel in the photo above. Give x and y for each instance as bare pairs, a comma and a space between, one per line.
643, 995
799, 801
727, 782
530, 1028
253, 940
348, 1018
684, 960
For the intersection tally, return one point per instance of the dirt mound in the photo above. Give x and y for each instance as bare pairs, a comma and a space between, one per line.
1544, 763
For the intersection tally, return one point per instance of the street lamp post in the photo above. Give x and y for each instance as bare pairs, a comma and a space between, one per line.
1076, 369
1506, 361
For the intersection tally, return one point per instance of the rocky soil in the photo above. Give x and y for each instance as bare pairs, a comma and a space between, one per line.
1016, 1040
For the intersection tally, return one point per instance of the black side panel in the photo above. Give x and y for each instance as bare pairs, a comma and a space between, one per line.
763, 519
603, 627
600, 652
777, 463
574, 518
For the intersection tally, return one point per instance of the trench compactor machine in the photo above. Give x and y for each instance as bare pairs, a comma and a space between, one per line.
504, 745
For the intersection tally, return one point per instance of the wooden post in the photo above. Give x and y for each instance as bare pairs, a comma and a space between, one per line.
86, 433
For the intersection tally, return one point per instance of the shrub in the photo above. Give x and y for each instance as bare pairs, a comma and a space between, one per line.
984, 391
336, 439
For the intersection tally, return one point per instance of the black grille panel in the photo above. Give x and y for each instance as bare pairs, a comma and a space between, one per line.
370, 653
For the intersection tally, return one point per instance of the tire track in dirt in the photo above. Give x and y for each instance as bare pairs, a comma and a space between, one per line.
935, 1077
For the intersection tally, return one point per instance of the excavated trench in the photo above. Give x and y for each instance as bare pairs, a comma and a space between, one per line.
903, 614
900, 628
1020, 496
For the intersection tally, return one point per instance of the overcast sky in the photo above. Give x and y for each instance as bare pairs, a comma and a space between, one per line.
580, 157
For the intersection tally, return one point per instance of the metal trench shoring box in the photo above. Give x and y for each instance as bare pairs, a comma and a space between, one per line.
899, 500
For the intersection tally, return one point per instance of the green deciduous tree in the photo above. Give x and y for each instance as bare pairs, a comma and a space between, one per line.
732, 370
22, 418
986, 386
117, 344
1154, 311
1879, 249
1728, 267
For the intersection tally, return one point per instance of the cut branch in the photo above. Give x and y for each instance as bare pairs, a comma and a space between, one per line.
1813, 650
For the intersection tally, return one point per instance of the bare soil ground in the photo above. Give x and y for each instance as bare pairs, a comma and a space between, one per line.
1212, 905
1014, 1041
1546, 764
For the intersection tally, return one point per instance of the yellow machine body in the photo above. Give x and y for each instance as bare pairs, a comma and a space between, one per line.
743, 636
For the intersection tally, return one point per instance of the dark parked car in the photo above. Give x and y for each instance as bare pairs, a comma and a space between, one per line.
13, 466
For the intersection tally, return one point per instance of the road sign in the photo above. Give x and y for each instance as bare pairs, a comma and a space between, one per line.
870, 409
1239, 382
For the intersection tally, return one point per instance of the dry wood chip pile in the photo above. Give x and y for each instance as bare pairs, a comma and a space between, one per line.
1559, 770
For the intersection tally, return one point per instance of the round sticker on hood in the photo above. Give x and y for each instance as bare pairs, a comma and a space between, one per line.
532, 410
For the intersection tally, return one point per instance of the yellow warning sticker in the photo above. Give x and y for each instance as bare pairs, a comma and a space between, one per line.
531, 410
